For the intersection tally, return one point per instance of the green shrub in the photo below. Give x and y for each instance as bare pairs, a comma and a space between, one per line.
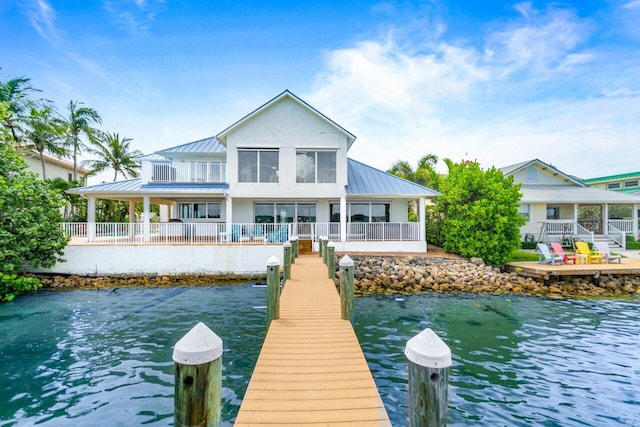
528, 245
11, 285
632, 244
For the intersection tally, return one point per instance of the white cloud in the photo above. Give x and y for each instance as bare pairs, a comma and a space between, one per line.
135, 16
42, 17
531, 91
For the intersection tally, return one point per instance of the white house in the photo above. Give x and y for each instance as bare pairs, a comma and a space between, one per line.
55, 167
551, 202
280, 171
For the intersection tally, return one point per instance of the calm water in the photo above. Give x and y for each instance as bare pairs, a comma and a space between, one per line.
104, 358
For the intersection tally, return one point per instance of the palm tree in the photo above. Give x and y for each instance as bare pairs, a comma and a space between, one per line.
113, 152
44, 133
424, 174
79, 121
14, 93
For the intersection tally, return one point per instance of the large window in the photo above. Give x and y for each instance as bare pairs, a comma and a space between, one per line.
315, 166
525, 210
199, 210
258, 166
362, 212
284, 212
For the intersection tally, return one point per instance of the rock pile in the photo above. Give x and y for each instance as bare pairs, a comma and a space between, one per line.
408, 275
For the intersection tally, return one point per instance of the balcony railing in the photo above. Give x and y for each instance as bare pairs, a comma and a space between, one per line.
209, 233
203, 172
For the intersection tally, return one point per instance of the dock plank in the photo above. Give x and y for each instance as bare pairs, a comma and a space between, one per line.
311, 370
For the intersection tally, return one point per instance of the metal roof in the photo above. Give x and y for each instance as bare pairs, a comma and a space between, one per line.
206, 145
135, 187
366, 180
153, 157
612, 177
568, 194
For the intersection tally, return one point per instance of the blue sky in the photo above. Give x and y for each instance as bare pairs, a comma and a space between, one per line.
493, 81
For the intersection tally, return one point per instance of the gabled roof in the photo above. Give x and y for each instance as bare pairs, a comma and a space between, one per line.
153, 157
366, 180
222, 136
512, 169
206, 145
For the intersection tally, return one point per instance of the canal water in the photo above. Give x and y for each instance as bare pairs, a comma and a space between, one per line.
103, 358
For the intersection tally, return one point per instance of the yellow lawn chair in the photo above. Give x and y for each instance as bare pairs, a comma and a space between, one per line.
585, 254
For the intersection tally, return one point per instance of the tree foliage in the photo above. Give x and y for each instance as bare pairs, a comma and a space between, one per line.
424, 174
479, 213
113, 152
29, 217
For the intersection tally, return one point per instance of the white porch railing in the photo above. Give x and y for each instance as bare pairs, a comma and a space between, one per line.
204, 172
583, 234
617, 235
623, 225
244, 233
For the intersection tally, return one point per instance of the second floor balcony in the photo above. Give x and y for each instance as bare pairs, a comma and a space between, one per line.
177, 172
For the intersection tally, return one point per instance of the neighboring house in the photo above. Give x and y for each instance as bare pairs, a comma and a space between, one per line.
551, 200
55, 167
280, 171
628, 183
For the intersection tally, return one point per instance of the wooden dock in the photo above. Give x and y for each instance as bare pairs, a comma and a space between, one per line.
311, 370
547, 271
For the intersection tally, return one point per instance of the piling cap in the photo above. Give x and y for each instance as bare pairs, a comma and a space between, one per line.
428, 350
346, 261
294, 238
200, 345
287, 245
331, 245
273, 261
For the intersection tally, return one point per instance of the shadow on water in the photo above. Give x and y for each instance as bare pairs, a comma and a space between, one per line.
517, 360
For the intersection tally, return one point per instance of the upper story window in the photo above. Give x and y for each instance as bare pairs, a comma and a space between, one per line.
613, 186
531, 174
315, 166
525, 210
258, 166
630, 184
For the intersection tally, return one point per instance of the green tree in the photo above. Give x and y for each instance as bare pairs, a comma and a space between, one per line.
15, 95
479, 213
29, 217
44, 133
424, 174
79, 121
113, 152
75, 206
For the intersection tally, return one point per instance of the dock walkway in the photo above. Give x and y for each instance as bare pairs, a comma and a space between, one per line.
311, 370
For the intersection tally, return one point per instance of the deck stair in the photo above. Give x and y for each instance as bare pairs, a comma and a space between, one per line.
311, 370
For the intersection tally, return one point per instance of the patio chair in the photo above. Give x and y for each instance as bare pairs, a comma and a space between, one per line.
556, 248
546, 257
585, 254
603, 248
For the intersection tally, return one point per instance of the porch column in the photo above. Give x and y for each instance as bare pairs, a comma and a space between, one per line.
146, 222
91, 219
605, 219
422, 218
575, 218
228, 215
343, 219
132, 218
635, 221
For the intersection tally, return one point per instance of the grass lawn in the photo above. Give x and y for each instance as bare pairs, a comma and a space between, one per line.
522, 256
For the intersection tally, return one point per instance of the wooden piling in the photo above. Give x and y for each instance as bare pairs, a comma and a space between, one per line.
429, 361
287, 261
198, 378
346, 287
331, 260
321, 247
273, 289
294, 249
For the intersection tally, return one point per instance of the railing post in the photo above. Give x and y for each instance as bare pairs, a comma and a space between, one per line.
198, 378
331, 260
346, 287
429, 361
287, 261
273, 289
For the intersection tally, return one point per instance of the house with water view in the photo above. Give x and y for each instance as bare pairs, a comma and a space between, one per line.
281, 171
559, 206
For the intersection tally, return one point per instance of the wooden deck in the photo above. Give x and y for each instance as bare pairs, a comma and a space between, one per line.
546, 271
311, 370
